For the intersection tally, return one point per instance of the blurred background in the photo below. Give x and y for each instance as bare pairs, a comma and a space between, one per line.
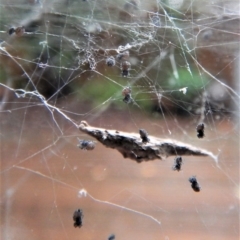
66, 61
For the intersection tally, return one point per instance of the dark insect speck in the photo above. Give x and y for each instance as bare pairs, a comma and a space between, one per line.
124, 73
194, 183
11, 31
111, 237
177, 163
86, 144
78, 218
200, 130
125, 68
144, 135
110, 61
127, 98
126, 92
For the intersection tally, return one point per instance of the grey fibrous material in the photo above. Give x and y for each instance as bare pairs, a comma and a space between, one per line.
130, 145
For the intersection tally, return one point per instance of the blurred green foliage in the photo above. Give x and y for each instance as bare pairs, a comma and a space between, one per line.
98, 91
194, 82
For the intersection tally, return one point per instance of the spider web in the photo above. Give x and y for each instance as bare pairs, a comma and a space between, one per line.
182, 69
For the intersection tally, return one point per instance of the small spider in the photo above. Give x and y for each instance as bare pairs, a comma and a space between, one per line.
194, 183
78, 218
111, 237
200, 130
19, 31
110, 61
144, 135
126, 92
86, 144
177, 163
125, 68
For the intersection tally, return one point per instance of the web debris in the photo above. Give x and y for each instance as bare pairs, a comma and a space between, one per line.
131, 145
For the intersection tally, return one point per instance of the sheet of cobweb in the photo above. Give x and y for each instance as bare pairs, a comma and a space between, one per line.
162, 66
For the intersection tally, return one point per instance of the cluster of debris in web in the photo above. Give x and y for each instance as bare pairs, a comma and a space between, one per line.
125, 43
92, 52
141, 147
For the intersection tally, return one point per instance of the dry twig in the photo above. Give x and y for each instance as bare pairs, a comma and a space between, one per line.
130, 145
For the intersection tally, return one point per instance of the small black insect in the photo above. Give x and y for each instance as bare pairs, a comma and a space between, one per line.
19, 31
110, 61
177, 163
200, 130
125, 68
126, 92
194, 183
86, 144
144, 135
11, 31
111, 237
78, 218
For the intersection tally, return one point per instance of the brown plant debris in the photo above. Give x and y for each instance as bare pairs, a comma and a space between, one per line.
130, 145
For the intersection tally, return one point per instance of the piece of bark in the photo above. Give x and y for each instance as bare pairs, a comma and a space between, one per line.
130, 145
